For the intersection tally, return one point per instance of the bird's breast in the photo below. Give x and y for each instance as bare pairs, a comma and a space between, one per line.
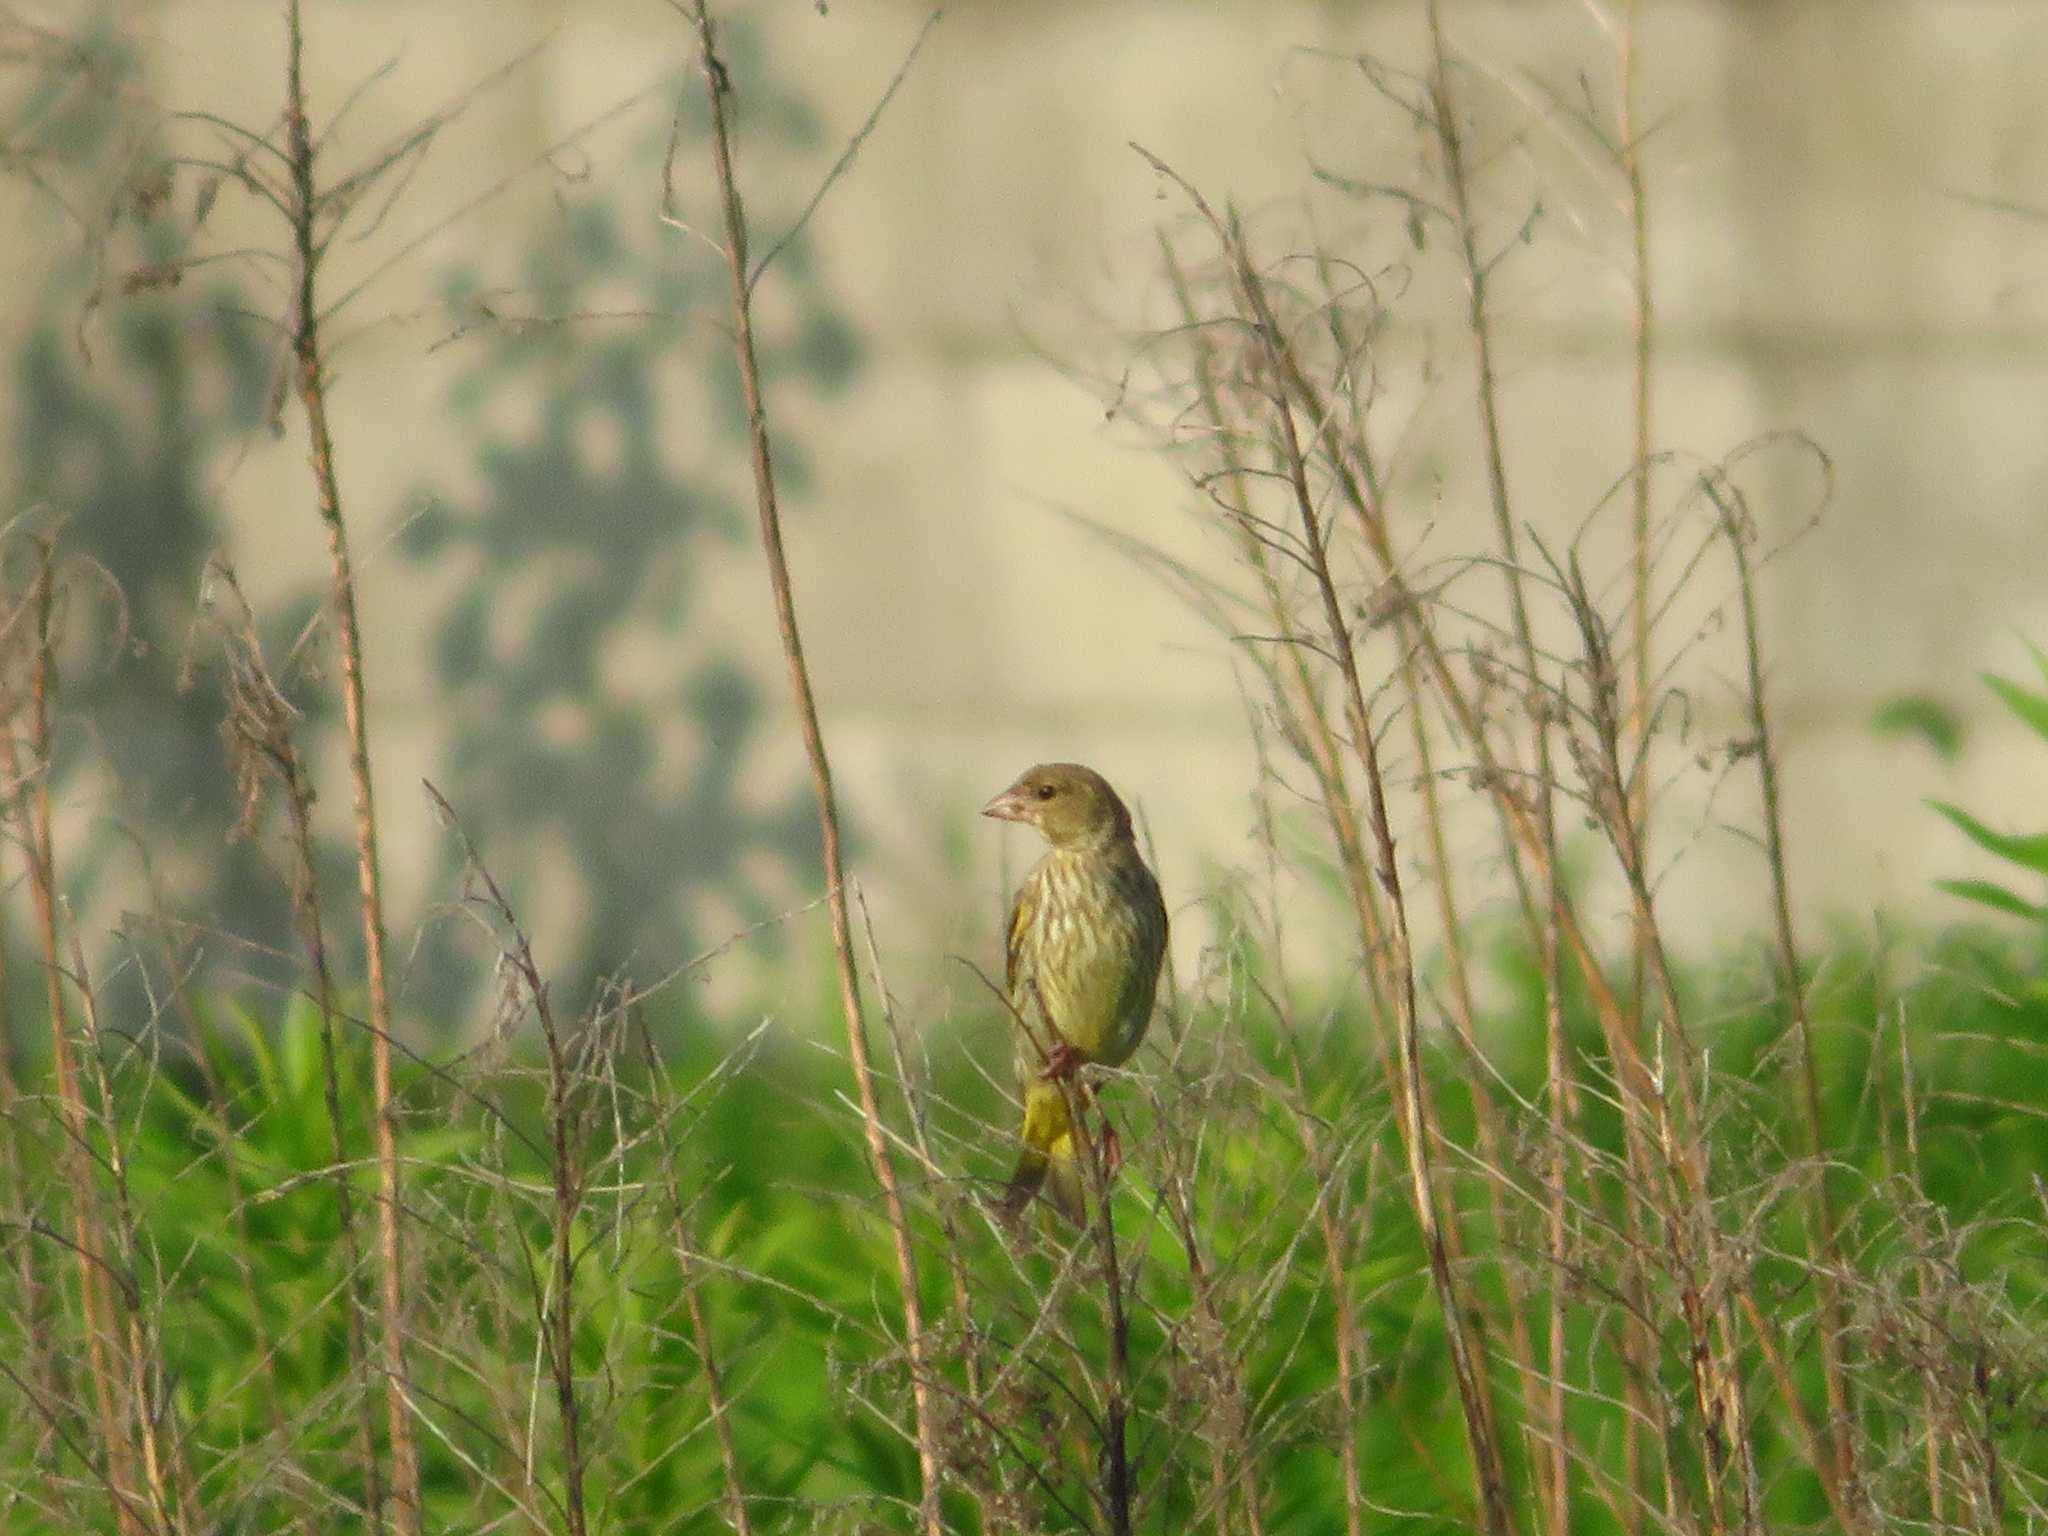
1093, 952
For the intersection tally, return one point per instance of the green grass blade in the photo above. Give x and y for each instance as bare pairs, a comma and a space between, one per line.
2028, 851
1929, 719
2031, 707
1988, 893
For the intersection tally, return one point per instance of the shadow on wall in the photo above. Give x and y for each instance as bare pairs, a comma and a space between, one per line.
595, 734
129, 385
595, 739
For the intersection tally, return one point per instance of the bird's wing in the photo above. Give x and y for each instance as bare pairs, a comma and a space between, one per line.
1159, 927
1148, 940
1023, 913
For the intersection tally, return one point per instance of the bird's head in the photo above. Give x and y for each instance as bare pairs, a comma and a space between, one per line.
1070, 805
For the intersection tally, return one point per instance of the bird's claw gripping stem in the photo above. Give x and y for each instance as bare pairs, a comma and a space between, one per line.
1061, 1063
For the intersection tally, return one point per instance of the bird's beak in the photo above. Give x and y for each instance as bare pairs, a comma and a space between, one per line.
1008, 806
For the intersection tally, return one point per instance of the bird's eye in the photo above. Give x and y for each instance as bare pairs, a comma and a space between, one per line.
1046, 791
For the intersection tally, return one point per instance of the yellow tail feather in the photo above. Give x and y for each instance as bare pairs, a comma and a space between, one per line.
1047, 1161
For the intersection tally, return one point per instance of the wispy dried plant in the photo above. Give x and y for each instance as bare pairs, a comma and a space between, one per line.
1383, 1248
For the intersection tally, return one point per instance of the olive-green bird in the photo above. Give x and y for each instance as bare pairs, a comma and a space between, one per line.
1087, 934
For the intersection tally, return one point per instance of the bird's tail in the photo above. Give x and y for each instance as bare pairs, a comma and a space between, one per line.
1047, 1161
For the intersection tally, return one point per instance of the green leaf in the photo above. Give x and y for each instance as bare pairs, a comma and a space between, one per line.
1987, 893
2030, 852
2040, 658
2031, 707
1915, 714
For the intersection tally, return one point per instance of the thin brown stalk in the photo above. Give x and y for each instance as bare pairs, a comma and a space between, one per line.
1557, 1102
1344, 1325
1232, 1463
310, 381
1648, 1118
203, 1045
683, 1241
1291, 682
1479, 324
1488, 1469
1451, 142
715, 1399
47, 1371
1522, 829
1486, 1111
914, 1100
568, 1197
920, 1140
1646, 1114
1336, 1250
1681, 1202
566, 1182
1393, 958
1810, 1438
1642, 317
1991, 1485
259, 731
169, 1506
1923, 1287
31, 814
1552, 1472
1897, 1164
1825, 1256
298, 798
1491, 1133
1293, 707
717, 87
1116, 1492
1642, 329
10, 1078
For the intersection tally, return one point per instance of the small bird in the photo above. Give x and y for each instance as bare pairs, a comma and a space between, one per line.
1087, 934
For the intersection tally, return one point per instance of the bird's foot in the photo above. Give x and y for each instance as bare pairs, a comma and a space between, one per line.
1061, 1063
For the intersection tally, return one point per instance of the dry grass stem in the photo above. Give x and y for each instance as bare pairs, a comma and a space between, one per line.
717, 89
309, 244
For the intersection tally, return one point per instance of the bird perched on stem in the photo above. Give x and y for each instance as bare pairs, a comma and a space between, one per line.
1087, 934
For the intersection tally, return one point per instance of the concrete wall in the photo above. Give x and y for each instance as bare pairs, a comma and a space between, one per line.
1819, 265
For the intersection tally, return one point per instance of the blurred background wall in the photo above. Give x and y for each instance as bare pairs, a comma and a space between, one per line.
568, 627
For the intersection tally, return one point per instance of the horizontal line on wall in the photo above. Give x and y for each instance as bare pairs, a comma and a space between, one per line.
1810, 345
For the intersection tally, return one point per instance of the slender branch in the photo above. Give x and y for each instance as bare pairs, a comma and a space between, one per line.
309, 379
151, 1413
1642, 329
683, 1241
557, 1320
846, 156
717, 87
31, 814
260, 729
1114, 1466
1643, 317
1301, 717
1826, 1257
1394, 959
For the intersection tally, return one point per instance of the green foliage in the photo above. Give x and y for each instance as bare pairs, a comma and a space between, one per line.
1928, 719
2027, 853
738, 1171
